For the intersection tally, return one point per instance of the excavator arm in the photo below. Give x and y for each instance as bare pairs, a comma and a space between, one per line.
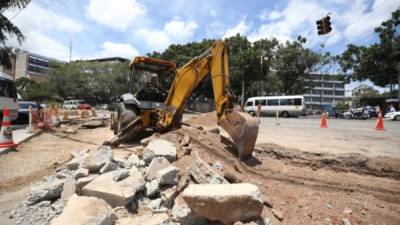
242, 128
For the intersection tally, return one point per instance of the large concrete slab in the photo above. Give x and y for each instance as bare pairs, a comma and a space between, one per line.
115, 193
86, 210
227, 203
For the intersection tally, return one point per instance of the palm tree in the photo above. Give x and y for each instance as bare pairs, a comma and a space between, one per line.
8, 29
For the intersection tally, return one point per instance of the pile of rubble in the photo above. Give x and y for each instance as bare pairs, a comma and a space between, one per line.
163, 181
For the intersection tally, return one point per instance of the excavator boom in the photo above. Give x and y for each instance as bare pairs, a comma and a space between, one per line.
242, 128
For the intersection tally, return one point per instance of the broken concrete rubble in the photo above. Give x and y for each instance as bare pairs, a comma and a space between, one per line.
81, 172
148, 219
120, 174
86, 210
203, 173
37, 214
152, 189
109, 166
168, 176
97, 159
46, 191
69, 188
182, 214
74, 163
156, 164
227, 203
115, 193
160, 148
81, 182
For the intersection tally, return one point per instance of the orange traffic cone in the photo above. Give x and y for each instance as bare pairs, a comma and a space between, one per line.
6, 137
324, 124
379, 122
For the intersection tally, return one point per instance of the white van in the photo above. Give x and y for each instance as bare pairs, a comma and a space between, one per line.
72, 104
8, 96
291, 105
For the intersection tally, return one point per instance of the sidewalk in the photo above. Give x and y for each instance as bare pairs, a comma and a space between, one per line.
20, 135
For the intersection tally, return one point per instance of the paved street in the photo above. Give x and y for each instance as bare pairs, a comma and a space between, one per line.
341, 136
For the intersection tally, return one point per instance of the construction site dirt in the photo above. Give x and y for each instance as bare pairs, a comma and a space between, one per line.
298, 187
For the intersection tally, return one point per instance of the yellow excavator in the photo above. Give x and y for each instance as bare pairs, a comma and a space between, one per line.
152, 108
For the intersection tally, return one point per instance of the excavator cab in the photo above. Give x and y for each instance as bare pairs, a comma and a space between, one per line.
146, 74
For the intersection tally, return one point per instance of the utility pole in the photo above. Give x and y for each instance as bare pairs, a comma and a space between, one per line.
243, 89
70, 49
398, 83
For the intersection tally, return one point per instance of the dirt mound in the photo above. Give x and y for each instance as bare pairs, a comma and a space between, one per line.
205, 120
356, 163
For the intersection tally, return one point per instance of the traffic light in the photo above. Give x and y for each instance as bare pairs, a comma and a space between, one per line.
324, 25
328, 27
320, 27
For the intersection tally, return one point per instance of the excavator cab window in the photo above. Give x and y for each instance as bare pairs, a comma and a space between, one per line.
146, 77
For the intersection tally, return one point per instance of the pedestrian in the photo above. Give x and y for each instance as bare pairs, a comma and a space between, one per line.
392, 109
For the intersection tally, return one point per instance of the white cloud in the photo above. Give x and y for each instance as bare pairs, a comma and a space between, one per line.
241, 28
350, 20
41, 44
34, 17
360, 22
174, 31
297, 18
112, 49
118, 15
34, 21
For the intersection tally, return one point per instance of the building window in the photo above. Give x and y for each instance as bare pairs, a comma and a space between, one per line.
339, 85
328, 92
316, 99
328, 85
341, 93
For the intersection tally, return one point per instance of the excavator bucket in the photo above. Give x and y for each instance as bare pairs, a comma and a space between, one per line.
243, 130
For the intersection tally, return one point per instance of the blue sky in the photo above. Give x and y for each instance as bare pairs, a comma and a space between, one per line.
105, 28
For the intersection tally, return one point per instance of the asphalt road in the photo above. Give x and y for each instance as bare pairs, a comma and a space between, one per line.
341, 136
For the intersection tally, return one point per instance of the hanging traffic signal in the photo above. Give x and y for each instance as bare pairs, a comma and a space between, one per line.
327, 21
320, 27
324, 25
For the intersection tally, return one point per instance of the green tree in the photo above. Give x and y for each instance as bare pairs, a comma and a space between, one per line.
365, 91
8, 29
294, 63
33, 91
94, 82
378, 62
342, 106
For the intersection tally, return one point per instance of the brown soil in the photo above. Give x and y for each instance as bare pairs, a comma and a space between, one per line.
307, 188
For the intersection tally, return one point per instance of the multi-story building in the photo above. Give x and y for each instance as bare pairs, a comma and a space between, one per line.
326, 90
30, 65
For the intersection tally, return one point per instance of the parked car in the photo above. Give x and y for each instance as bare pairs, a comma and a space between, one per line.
83, 106
23, 111
393, 115
72, 104
358, 113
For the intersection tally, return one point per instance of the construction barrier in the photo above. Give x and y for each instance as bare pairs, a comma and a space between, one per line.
379, 122
324, 123
6, 137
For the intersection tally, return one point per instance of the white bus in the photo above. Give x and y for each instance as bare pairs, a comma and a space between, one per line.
8, 96
291, 105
